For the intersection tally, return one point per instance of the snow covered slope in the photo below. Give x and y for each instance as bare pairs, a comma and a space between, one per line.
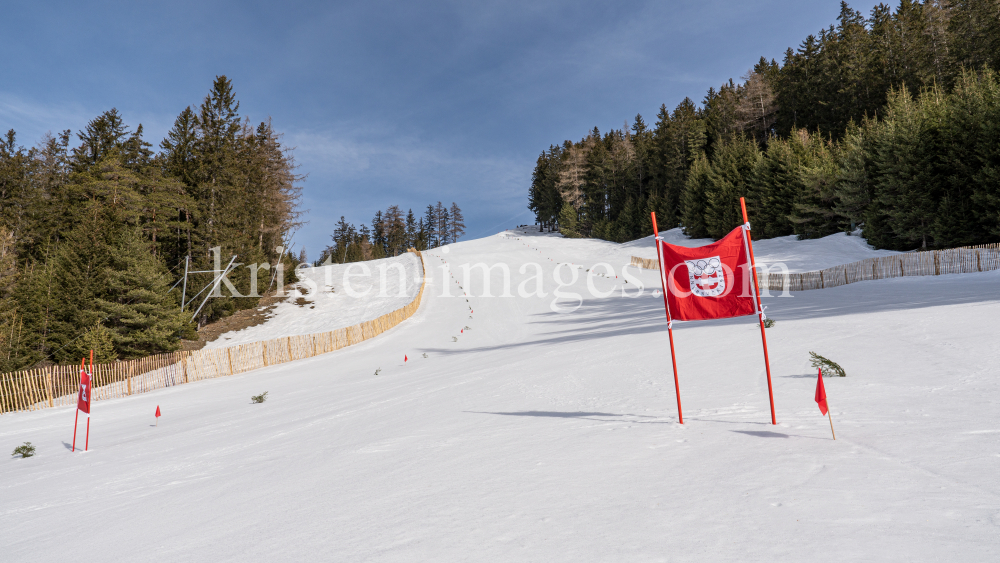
321, 302
539, 436
799, 256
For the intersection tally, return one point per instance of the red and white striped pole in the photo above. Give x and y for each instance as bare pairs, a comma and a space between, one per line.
670, 323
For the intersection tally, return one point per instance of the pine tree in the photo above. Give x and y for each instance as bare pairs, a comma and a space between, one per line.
973, 160
443, 222
815, 212
431, 224
101, 135
10, 321
379, 235
568, 222
543, 195
341, 240
457, 225
97, 338
853, 190
395, 231
18, 198
411, 229
905, 184
974, 27
773, 187
726, 182
694, 202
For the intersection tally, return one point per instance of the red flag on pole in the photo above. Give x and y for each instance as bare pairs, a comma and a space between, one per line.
821, 401
83, 397
157, 411
714, 281
821, 393
708, 282
82, 402
405, 358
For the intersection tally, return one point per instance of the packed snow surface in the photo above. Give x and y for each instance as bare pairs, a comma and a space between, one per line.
534, 435
798, 255
326, 298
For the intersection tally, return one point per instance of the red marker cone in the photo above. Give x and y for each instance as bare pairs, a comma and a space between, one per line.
157, 415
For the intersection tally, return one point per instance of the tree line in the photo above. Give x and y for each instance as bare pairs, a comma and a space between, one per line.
94, 232
889, 123
391, 234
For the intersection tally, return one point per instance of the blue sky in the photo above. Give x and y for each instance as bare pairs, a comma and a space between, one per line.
402, 103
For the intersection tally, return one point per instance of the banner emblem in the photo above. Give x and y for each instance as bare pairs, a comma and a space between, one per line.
706, 277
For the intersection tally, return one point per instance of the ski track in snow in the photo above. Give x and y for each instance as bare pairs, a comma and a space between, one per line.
540, 436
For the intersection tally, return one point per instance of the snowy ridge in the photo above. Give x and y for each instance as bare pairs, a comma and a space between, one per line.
799, 255
319, 302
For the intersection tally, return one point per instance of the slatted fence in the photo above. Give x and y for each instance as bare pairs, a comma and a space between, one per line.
55, 386
965, 260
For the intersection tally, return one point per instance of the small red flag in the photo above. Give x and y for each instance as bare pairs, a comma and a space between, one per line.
405, 358
821, 393
157, 411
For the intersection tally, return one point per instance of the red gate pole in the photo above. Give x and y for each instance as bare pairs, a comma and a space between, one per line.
670, 328
760, 311
76, 419
90, 400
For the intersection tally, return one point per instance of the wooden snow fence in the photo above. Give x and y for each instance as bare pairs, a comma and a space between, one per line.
57, 386
966, 260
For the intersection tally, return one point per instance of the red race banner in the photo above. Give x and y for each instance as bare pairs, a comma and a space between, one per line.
709, 282
715, 281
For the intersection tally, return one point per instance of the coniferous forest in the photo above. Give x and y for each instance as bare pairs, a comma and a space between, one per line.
392, 233
95, 228
888, 122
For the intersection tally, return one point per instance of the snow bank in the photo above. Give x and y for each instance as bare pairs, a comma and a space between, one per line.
799, 256
324, 299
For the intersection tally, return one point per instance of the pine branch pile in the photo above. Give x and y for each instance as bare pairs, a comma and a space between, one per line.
828, 366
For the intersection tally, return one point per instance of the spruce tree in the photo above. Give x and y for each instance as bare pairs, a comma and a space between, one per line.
134, 303
815, 214
726, 181
443, 222
420, 239
431, 224
411, 229
773, 187
694, 201
568, 223
457, 225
